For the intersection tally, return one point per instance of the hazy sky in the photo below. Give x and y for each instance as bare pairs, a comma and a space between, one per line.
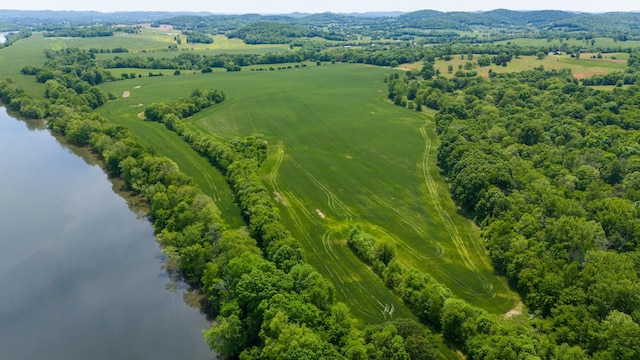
287, 6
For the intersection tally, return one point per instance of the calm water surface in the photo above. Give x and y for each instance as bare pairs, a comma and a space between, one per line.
81, 275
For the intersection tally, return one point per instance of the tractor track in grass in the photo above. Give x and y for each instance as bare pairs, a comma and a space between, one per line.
385, 309
348, 283
411, 251
333, 201
439, 250
273, 174
326, 242
215, 194
450, 227
288, 199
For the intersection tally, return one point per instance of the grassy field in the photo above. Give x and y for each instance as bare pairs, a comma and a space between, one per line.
16, 56
150, 42
581, 68
340, 154
599, 42
155, 40
362, 283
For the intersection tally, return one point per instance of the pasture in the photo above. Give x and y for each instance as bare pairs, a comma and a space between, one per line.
581, 68
16, 56
151, 40
601, 42
339, 154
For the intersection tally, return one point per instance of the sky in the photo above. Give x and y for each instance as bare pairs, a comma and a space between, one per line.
336, 6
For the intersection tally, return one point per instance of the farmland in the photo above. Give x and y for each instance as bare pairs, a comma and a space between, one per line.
334, 164
581, 68
340, 154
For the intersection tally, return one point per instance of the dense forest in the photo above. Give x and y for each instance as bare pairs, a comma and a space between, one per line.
546, 166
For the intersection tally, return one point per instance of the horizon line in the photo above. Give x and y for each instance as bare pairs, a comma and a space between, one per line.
316, 13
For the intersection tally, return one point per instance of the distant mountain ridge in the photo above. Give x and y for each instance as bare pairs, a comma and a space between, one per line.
422, 19
498, 17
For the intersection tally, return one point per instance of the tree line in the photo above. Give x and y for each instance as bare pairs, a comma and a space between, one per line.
236, 332
547, 168
69, 76
80, 31
268, 302
193, 61
11, 38
272, 33
195, 37
481, 335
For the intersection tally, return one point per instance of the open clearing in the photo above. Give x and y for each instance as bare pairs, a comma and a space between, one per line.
336, 145
581, 68
388, 181
598, 41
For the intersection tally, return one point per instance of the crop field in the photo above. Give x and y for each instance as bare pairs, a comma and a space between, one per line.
340, 155
157, 40
581, 68
353, 179
125, 111
151, 42
148, 42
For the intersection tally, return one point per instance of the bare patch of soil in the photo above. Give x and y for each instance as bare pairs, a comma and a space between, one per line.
279, 198
517, 310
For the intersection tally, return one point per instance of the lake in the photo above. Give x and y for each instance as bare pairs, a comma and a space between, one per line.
81, 275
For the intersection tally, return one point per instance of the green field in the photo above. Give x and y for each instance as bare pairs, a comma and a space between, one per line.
125, 111
16, 56
157, 41
340, 154
150, 42
581, 68
599, 42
